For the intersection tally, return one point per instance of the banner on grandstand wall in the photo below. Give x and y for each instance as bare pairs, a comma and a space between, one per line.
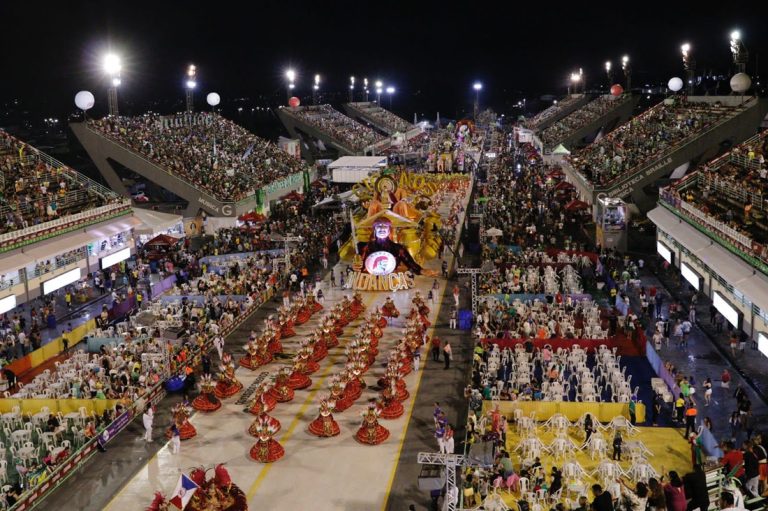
115, 427
285, 183
525, 136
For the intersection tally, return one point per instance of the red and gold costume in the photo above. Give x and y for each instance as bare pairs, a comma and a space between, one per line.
371, 432
324, 425
266, 449
391, 407
388, 310
281, 391
286, 325
227, 385
218, 493
302, 312
206, 401
356, 307
253, 430
298, 379
181, 418
312, 303
257, 354
262, 401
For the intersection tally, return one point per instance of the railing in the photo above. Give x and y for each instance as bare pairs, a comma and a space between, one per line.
13, 278
134, 152
16, 239
743, 246
657, 157
59, 261
32, 497
612, 106
552, 110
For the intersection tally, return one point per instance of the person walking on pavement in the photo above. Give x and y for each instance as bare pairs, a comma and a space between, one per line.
690, 419
175, 438
456, 296
218, 342
452, 321
658, 300
444, 268
435, 348
447, 355
707, 391
148, 418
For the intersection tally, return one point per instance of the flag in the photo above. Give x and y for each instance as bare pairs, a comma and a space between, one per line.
185, 488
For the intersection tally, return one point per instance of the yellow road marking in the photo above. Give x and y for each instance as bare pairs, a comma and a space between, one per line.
413, 404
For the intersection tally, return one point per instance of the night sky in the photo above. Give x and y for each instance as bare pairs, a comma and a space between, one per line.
430, 51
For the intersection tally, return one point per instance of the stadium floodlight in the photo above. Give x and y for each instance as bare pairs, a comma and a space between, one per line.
291, 75
739, 52
112, 64
689, 64
627, 68
608, 66
190, 84
390, 91
316, 89
112, 67
477, 86
379, 84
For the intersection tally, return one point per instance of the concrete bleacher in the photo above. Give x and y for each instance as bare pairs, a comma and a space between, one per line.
602, 114
722, 120
557, 111
378, 117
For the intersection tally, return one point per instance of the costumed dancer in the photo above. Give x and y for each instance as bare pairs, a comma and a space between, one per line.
262, 401
281, 391
181, 419
266, 449
371, 432
324, 425
388, 310
391, 407
206, 401
259, 409
299, 379
227, 385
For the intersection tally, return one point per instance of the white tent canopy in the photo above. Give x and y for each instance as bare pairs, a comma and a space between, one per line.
560, 149
155, 222
353, 169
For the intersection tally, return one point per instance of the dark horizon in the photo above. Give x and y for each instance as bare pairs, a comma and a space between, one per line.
431, 53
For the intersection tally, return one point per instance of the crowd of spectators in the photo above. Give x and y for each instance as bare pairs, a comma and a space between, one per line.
383, 117
730, 192
32, 191
563, 128
345, 130
535, 121
647, 136
204, 149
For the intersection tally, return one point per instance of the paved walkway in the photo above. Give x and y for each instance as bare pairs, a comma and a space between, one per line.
706, 356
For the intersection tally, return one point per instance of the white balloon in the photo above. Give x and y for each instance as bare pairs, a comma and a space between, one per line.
675, 84
84, 100
213, 99
741, 82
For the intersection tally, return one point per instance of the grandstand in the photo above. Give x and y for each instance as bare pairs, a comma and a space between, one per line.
554, 113
672, 134
55, 220
602, 114
326, 132
712, 224
383, 120
207, 160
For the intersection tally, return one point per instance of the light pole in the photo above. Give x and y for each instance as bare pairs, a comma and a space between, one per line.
351, 89
627, 68
379, 90
213, 99
113, 66
582, 80
574, 86
690, 66
316, 90
739, 52
390, 91
609, 72
477, 86
190, 85
290, 75
365, 88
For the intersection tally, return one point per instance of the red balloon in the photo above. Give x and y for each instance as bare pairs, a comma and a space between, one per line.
616, 90
294, 102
